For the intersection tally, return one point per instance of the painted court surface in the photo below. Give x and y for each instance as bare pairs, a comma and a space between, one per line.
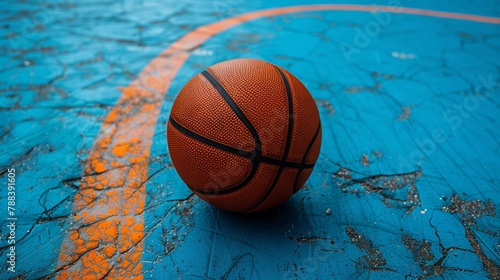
406, 185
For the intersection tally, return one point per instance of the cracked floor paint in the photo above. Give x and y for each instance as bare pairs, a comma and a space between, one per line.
406, 185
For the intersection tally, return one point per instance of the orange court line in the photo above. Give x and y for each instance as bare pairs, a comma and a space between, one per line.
106, 235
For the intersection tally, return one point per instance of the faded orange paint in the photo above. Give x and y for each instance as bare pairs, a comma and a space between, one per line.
120, 149
107, 236
109, 204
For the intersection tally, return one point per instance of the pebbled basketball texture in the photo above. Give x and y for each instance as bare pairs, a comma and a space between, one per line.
244, 135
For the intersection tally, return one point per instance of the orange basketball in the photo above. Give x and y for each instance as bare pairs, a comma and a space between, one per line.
244, 135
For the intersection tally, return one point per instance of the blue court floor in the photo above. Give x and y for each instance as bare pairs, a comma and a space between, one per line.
407, 184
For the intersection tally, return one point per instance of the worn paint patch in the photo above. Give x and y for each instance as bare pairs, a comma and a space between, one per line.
107, 233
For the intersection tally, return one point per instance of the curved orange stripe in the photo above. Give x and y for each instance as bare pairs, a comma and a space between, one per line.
107, 236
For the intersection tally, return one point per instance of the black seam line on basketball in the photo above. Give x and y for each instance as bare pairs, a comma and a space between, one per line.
305, 156
257, 152
249, 155
286, 164
209, 142
238, 152
222, 91
287, 143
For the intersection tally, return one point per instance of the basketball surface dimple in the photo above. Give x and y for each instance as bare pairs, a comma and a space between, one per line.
244, 135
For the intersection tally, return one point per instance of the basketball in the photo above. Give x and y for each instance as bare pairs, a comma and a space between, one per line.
244, 135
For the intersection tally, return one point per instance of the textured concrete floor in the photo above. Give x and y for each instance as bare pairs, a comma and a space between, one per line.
407, 184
